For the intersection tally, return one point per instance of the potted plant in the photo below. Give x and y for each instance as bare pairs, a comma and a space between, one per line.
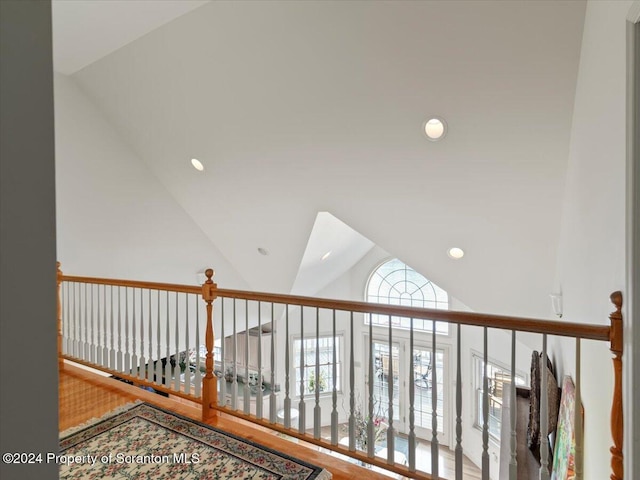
322, 382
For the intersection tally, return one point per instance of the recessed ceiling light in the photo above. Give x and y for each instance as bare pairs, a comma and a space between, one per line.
197, 164
263, 251
326, 255
435, 129
455, 253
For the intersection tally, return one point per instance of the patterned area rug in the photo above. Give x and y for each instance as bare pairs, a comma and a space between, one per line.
147, 442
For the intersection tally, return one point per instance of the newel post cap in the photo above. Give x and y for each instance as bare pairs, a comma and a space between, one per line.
209, 287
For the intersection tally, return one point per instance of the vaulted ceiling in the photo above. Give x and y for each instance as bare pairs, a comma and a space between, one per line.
296, 108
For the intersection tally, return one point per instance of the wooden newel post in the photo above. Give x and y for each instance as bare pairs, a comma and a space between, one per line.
59, 313
209, 382
616, 407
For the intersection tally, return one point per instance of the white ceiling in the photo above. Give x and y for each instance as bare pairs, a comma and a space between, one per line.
333, 248
85, 31
297, 108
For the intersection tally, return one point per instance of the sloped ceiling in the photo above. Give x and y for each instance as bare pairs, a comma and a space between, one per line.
300, 107
87, 30
333, 248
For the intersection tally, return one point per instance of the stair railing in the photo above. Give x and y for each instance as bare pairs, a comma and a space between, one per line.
151, 334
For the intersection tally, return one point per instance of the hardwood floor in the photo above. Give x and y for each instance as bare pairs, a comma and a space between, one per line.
84, 395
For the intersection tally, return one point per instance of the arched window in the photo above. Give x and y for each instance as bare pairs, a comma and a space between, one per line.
395, 283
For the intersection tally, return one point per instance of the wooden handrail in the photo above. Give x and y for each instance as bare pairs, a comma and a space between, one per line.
521, 324
171, 287
209, 291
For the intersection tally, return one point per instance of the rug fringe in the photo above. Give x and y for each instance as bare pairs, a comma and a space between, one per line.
88, 423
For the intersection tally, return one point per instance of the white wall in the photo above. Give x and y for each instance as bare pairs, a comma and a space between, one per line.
591, 255
114, 218
351, 286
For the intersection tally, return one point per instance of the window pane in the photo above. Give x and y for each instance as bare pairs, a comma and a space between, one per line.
497, 379
423, 368
383, 364
395, 283
325, 380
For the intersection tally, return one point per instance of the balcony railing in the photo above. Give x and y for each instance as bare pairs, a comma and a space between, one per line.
288, 363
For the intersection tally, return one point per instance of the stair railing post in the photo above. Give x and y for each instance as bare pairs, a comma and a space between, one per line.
616, 407
209, 387
59, 313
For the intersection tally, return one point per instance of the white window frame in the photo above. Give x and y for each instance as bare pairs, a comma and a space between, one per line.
439, 301
478, 392
295, 364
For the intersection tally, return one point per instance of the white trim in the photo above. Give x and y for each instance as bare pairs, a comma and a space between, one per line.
341, 336
402, 422
631, 306
373, 272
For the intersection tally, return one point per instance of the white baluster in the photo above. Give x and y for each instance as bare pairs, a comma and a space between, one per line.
578, 431
544, 413
459, 458
95, 351
435, 465
187, 371
234, 380
223, 382
81, 320
65, 315
391, 431
72, 320
75, 332
316, 410
352, 381
301, 405
158, 378
513, 463
259, 390
412, 398
120, 353
112, 333
105, 340
176, 368
287, 367
127, 339
334, 395
80, 324
198, 380
148, 362
85, 350
485, 412
76, 320
370, 428
95, 298
272, 396
134, 356
247, 391
167, 364
68, 320
142, 365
